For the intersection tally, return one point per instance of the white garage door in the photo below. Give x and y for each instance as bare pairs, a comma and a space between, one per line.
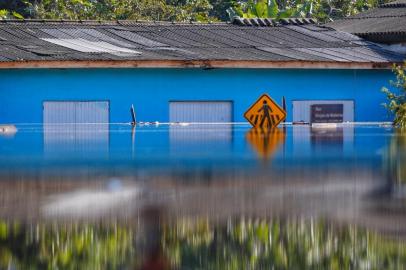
76, 128
201, 111
56, 112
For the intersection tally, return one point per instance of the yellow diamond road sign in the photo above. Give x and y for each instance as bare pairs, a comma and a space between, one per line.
265, 113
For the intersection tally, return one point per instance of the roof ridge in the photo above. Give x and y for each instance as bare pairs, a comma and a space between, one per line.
270, 22
236, 21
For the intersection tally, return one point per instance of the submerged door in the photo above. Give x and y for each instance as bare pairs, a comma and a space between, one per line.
76, 129
59, 112
201, 111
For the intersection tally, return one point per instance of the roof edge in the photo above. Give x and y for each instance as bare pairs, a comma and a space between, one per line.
235, 21
205, 64
366, 17
394, 4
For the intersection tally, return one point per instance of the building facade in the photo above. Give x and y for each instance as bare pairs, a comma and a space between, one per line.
63, 72
24, 92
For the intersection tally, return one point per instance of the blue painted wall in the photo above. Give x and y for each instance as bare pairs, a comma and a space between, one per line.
23, 91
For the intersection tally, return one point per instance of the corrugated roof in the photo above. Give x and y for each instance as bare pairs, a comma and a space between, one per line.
398, 3
386, 24
288, 40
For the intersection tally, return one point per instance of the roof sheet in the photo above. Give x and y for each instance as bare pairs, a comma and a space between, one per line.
397, 3
386, 23
291, 40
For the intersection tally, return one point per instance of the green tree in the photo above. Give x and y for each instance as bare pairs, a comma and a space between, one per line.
219, 10
182, 10
163, 10
323, 10
397, 98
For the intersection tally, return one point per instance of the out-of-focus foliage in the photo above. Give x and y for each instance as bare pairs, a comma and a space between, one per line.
220, 9
6, 14
14, 9
397, 99
182, 10
153, 10
244, 244
65, 247
323, 10
275, 244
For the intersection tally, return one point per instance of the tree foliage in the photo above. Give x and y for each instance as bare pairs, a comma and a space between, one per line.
153, 10
181, 10
397, 98
323, 10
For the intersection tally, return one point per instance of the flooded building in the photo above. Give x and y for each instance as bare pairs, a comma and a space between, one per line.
81, 188
67, 71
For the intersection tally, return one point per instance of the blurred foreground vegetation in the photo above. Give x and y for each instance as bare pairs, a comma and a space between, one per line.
275, 244
181, 10
241, 244
41, 246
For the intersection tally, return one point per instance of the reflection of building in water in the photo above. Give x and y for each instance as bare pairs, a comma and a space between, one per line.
66, 134
76, 140
186, 140
331, 137
307, 139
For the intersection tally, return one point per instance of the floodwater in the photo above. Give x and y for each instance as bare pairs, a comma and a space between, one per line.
202, 197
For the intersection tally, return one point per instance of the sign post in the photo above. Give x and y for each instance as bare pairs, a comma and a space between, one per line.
265, 113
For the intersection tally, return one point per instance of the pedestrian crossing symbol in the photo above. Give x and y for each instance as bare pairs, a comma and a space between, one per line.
265, 113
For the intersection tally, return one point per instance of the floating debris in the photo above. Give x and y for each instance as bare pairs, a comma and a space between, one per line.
8, 129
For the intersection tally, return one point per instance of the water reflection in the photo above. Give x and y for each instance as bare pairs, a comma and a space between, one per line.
266, 141
334, 141
396, 164
123, 149
76, 140
203, 197
199, 141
